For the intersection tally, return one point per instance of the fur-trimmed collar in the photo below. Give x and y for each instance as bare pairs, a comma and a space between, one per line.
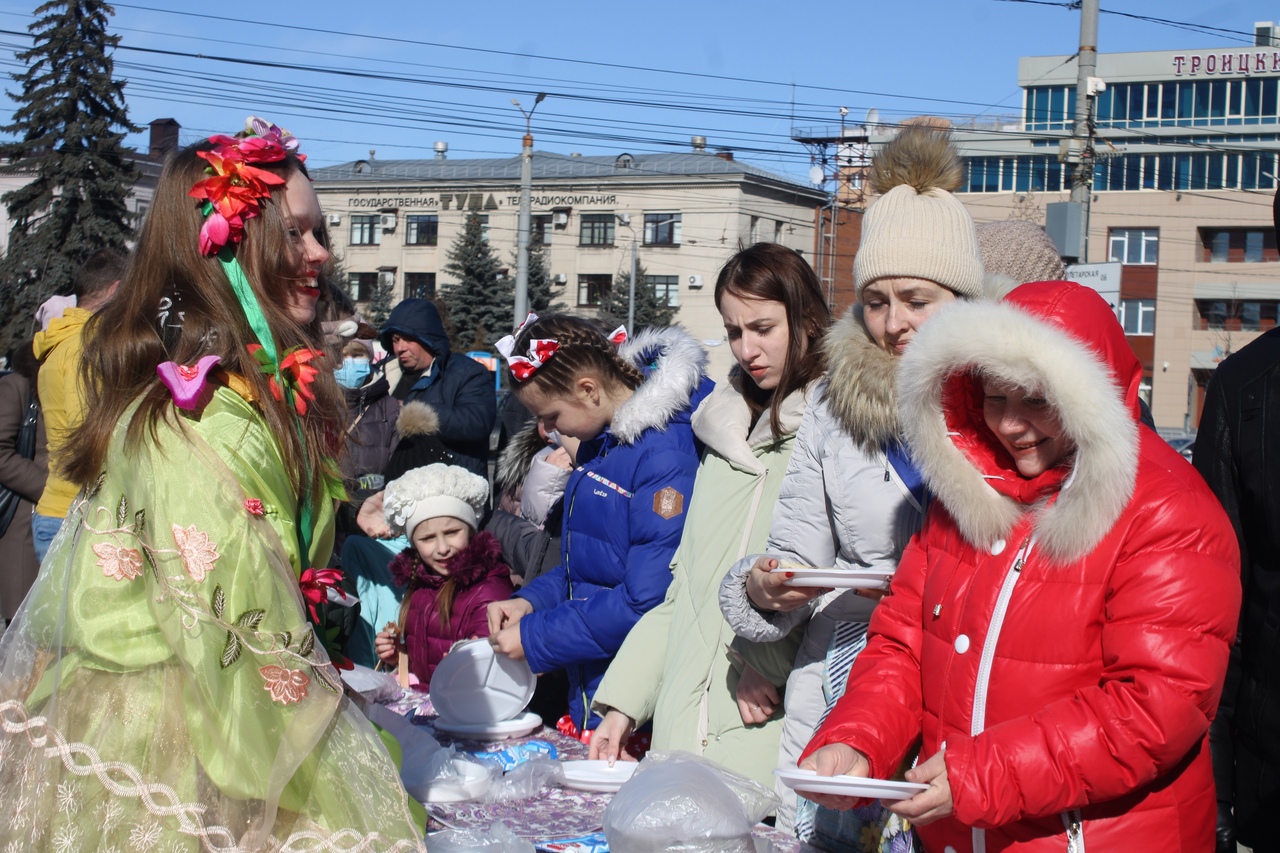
675, 365
471, 565
860, 383
723, 423
515, 459
1008, 342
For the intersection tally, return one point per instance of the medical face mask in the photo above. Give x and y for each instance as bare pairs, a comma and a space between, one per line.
353, 372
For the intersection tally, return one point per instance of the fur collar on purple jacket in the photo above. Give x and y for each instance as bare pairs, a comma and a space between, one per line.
472, 564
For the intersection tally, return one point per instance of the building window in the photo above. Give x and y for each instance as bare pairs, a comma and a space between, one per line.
1051, 107
662, 229
1238, 245
1138, 316
1128, 172
1172, 103
597, 230
420, 285
361, 285
754, 230
666, 289
421, 230
366, 230
777, 231
592, 289
1252, 315
1134, 245
540, 229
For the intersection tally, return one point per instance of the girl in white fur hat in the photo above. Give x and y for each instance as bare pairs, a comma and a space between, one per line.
451, 573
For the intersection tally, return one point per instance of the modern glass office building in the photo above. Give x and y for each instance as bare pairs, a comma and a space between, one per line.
1187, 144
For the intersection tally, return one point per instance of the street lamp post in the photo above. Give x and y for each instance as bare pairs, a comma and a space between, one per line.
624, 219
526, 191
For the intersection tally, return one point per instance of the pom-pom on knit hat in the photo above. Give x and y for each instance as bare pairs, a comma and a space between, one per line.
1021, 250
918, 228
433, 491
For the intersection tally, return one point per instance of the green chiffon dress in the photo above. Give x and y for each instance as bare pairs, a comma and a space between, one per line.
161, 688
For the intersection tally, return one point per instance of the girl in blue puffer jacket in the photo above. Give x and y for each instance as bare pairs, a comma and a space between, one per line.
629, 402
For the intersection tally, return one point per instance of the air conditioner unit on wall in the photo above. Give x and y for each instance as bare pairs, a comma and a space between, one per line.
695, 282
388, 221
335, 219
561, 278
560, 218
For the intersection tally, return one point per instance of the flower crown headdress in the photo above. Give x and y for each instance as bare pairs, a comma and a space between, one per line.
540, 349
231, 194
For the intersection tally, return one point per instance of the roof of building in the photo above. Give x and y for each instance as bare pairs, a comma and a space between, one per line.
549, 166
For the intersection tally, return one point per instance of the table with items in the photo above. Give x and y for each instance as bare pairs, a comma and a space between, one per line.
555, 818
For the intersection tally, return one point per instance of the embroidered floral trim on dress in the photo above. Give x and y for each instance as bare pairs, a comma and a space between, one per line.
284, 685
198, 553
123, 780
122, 564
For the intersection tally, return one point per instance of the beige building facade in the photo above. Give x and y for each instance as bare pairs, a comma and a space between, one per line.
1181, 197
394, 222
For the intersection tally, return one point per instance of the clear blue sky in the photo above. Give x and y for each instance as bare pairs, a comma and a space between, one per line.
448, 71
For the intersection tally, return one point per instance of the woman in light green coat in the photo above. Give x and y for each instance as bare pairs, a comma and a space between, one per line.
681, 666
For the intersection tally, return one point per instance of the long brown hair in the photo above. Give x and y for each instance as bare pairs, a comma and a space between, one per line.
585, 348
175, 304
774, 272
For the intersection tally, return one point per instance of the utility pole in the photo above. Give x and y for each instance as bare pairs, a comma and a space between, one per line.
522, 230
1082, 137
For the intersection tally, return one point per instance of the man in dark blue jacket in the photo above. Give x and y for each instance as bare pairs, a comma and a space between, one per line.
458, 388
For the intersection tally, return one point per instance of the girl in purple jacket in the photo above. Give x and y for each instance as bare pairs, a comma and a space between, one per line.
450, 572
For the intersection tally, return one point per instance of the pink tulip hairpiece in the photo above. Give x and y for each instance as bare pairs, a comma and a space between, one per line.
187, 383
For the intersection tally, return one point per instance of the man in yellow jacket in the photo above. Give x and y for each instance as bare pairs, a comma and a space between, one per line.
61, 388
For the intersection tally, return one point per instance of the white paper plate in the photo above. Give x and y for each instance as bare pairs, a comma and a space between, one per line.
596, 775
476, 686
518, 727
888, 790
840, 578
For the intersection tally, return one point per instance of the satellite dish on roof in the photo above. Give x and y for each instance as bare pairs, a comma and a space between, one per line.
816, 175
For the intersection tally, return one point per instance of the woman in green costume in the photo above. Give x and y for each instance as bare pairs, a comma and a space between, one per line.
161, 688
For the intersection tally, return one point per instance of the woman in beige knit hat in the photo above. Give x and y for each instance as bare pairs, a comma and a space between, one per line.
851, 497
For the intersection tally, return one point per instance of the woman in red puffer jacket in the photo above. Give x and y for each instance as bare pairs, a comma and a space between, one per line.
1057, 633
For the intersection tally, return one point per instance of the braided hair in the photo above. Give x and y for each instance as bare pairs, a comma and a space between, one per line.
585, 348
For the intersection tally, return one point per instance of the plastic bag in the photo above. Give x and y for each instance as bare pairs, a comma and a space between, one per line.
432, 773
523, 781
677, 801
374, 686
454, 777
496, 839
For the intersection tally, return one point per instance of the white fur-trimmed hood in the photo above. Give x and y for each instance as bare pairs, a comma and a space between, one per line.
679, 364
1090, 395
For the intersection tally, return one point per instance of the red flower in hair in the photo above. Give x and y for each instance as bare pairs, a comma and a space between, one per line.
234, 189
296, 371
